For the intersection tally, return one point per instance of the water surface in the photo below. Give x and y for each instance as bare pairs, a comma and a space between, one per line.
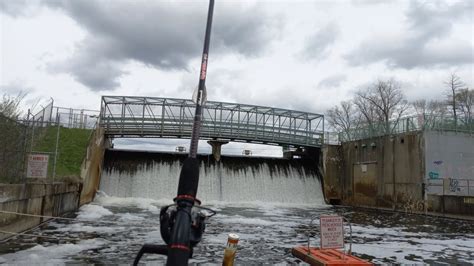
111, 230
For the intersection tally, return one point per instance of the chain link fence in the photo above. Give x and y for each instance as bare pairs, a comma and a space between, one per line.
48, 145
409, 124
331, 138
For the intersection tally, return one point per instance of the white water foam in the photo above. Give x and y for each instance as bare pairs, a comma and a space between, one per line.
217, 183
50, 255
152, 205
93, 212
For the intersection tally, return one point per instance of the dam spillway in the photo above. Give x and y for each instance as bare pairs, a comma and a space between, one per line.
155, 175
111, 229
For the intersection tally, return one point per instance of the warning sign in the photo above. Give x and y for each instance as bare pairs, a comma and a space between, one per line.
37, 166
332, 232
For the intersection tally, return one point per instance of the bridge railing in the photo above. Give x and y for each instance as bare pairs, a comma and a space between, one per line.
165, 117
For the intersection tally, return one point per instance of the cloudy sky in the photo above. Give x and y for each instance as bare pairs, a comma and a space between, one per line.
304, 55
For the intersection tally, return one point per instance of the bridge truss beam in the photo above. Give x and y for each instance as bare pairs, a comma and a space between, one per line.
142, 117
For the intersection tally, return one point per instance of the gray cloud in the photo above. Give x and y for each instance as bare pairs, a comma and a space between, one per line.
332, 81
17, 8
162, 35
318, 45
91, 67
420, 47
15, 88
370, 2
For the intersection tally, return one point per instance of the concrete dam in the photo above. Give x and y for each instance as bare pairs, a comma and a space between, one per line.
154, 175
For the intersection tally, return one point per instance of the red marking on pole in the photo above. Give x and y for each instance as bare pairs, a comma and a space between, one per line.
204, 66
179, 246
185, 197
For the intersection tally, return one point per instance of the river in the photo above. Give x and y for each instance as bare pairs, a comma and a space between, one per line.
112, 229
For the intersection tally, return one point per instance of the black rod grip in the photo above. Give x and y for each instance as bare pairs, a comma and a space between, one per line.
189, 178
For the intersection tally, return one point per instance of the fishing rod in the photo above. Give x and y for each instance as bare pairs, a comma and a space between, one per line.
183, 223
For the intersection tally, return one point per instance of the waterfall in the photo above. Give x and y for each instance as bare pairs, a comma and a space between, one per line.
233, 179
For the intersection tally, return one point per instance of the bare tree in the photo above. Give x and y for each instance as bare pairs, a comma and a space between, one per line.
428, 112
382, 102
344, 118
368, 113
465, 104
453, 84
429, 108
10, 105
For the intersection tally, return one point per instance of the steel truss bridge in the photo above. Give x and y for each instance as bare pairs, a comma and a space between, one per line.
145, 117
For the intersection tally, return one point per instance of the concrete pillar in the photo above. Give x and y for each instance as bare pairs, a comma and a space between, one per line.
216, 147
288, 154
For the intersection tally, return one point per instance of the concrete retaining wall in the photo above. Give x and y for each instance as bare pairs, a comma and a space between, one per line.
401, 172
449, 171
38, 199
92, 165
385, 171
333, 167
449, 155
52, 199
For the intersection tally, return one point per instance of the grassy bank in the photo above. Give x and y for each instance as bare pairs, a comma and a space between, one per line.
71, 149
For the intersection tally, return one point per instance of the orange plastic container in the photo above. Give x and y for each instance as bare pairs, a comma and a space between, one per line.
318, 256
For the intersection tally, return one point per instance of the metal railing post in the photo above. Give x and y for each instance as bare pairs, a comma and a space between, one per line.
56, 149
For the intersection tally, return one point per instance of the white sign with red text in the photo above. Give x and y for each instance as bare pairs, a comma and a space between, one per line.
37, 165
332, 231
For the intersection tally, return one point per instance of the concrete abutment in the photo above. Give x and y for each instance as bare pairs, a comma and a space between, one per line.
37, 199
396, 172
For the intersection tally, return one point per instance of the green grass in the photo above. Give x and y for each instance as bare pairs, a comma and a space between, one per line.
71, 149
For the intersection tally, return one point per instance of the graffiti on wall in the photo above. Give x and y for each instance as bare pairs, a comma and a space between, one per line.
450, 186
454, 185
433, 175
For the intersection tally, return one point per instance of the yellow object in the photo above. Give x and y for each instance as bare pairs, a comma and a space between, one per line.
230, 250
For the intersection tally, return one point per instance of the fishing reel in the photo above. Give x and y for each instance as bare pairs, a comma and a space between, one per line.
198, 214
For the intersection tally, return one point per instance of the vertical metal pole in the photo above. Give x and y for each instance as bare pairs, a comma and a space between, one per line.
181, 118
273, 124
247, 125
123, 115
42, 118
81, 119
25, 150
51, 113
279, 126
238, 118
71, 118
220, 122
215, 120
231, 121
307, 129
57, 144
256, 124
32, 134
163, 118
143, 114
323, 131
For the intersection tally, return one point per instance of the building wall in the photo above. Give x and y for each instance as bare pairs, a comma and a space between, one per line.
385, 171
449, 155
409, 172
449, 171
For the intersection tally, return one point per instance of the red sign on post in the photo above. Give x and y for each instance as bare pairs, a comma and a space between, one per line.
37, 166
332, 231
